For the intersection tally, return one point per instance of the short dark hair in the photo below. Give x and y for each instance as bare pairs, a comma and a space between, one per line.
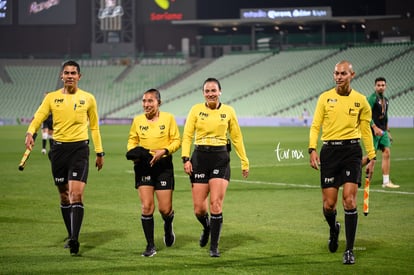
156, 93
71, 63
380, 79
211, 79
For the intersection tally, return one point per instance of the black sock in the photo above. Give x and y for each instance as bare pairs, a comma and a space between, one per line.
148, 227
44, 143
204, 220
66, 209
168, 221
215, 226
76, 219
351, 222
330, 218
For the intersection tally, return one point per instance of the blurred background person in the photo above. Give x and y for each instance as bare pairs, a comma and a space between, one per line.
380, 130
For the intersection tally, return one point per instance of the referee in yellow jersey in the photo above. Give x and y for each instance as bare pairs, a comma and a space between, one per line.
208, 124
153, 138
344, 115
73, 110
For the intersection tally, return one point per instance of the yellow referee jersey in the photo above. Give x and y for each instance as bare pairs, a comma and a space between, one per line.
152, 135
72, 114
210, 127
342, 118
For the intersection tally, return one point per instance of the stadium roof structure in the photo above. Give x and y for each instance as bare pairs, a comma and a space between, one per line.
282, 21
254, 23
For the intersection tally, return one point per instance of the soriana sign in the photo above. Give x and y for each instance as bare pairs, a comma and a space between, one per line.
169, 10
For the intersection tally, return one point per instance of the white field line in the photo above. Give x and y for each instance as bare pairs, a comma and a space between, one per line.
316, 185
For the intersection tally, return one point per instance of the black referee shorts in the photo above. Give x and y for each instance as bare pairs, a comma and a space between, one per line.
340, 163
210, 162
161, 175
70, 161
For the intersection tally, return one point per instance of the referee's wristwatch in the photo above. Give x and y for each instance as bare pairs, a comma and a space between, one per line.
100, 154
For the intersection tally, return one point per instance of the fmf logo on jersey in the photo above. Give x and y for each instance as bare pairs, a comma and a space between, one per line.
202, 114
58, 100
166, 16
143, 128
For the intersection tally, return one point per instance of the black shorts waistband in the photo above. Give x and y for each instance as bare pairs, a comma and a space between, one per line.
208, 148
70, 143
341, 142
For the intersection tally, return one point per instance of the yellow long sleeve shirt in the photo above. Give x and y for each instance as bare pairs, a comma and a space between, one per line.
210, 127
342, 118
72, 115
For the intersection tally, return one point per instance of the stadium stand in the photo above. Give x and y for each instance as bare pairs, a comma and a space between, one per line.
256, 84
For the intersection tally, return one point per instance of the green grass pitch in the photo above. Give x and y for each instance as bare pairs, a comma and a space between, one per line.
273, 222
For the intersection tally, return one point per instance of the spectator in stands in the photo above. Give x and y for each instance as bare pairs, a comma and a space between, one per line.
344, 115
380, 129
209, 165
153, 138
47, 132
305, 117
73, 111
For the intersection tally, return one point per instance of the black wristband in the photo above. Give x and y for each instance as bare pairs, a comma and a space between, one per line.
310, 150
100, 154
166, 151
185, 159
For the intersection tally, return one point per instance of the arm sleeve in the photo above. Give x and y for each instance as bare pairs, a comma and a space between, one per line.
133, 138
366, 134
94, 126
188, 133
237, 140
175, 141
316, 124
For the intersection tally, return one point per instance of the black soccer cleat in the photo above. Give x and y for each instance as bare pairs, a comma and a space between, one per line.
204, 237
214, 252
333, 238
349, 257
74, 247
149, 251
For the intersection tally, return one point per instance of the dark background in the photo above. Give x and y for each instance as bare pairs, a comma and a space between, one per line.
75, 39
